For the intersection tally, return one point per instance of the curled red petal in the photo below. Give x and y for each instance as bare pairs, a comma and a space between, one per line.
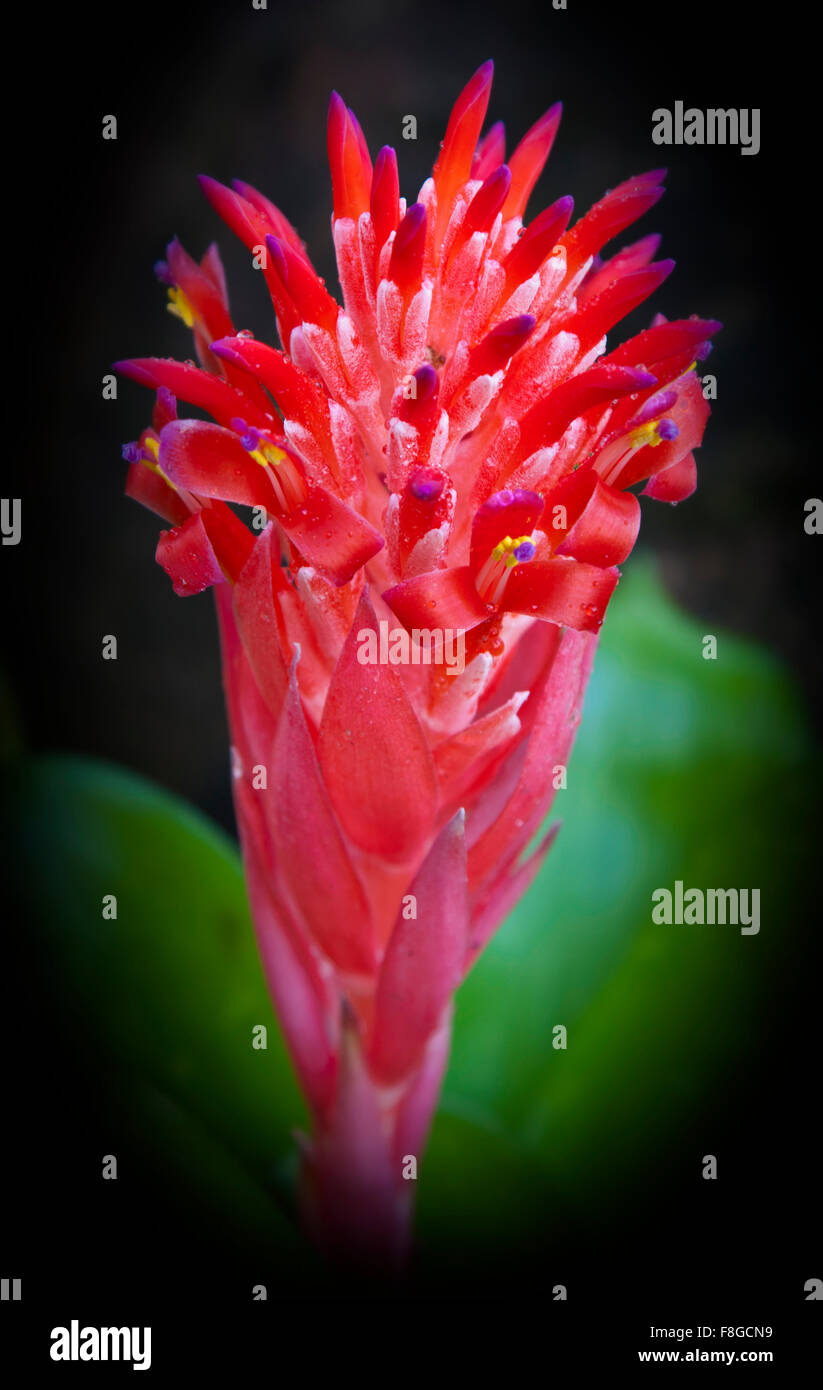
374, 755
211, 461
562, 591
675, 483
440, 598
188, 557
331, 535
597, 523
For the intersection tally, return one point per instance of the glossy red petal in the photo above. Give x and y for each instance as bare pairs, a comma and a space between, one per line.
146, 486
385, 197
549, 744
561, 591
674, 484
199, 388
454, 163
490, 152
547, 419
615, 211
188, 557
424, 958
212, 462
529, 159
350, 174
258, 621
331, 535
313, 860
512, 512
374, 755
596, 523
440, 598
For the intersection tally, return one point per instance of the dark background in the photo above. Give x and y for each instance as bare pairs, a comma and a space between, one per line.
234, 92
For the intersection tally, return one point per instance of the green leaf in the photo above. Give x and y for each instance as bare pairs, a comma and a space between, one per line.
172, 989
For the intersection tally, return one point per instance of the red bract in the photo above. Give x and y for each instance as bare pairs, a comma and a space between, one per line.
437, 481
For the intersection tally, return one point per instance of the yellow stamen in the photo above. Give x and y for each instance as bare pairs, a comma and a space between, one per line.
504, 551
646, 434
180, 306
268, 453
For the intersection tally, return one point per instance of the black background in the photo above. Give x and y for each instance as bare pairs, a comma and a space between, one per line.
234, 92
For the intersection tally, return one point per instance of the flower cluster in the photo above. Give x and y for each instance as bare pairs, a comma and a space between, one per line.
453, 448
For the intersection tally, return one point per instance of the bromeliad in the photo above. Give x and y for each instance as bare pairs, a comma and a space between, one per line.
453, 449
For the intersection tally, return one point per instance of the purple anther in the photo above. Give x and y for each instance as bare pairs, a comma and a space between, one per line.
702, 351
427, 484
427, 383
524, 551
164, 275
132, 453
667, 430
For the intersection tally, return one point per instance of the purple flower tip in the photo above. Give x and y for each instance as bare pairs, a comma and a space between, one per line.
702, 351
278, 255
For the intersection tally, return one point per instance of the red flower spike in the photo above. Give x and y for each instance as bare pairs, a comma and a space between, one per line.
537, 243
350, 171
278, 224
529, 160
196, 387
487, 202
453, 167
380, 444
406, 264
546, 421
499, 346
611, 216
490, 153
385, 197
306, 290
